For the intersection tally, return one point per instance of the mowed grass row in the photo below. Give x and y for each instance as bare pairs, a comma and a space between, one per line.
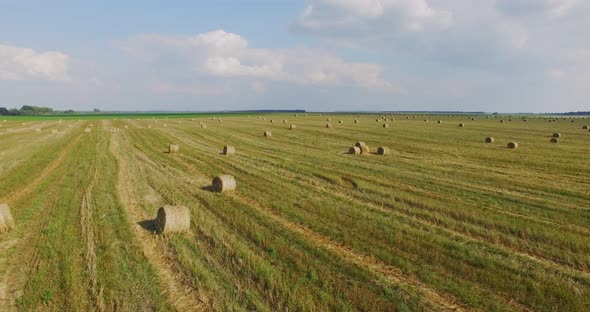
428, 221
73, 247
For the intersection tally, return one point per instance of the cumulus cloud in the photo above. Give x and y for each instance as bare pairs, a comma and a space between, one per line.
22, 64
222, 54
364, 16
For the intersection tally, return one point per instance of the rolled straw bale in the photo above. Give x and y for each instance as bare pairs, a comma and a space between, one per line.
173, 219
328, 125
6, 220
267, 134
292, 127
557, 135
363, 146
354, 150
554, 140
223, 183
489, 140
173, 148
513, 145
229, 150
585, 127
383, 150
385, 126
461, 125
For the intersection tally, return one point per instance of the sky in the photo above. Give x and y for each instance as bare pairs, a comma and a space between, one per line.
317, 55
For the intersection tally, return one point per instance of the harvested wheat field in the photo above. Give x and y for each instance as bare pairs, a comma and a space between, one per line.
441, 222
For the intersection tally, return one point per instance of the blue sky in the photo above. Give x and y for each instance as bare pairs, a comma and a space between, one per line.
485, 55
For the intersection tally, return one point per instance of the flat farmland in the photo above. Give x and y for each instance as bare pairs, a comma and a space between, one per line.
443, 222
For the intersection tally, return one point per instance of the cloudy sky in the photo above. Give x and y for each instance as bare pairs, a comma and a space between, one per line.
319, 55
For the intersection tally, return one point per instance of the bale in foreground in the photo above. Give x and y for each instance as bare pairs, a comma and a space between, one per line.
512, 145
173, 219
554, 140
489, 140
173, 148
355, 150
363, 146
6, 220
229, 150
557, 135
383, 150
223, 183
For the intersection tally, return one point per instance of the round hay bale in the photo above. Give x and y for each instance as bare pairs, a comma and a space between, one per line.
292, 127
440, 121
229, 150
363, 146
223, 183
385, 126
203, 126
284, 120
328, 119
557, 135
356, 121
328, 125
585, 127
173, 219
489, 140
512, 145
340, 121
173, 148
502, 120
461, 125
383, 150
6, 220
554, 140
354, 150
267, 134
271, 121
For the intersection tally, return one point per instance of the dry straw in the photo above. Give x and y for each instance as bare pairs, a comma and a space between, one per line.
173, 148
363, 146
383, 150
223, 183
173, 219
6, 220
489, 140
513, 145
354, 150
229, 150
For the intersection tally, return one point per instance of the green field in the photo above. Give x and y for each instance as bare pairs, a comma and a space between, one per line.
444, 222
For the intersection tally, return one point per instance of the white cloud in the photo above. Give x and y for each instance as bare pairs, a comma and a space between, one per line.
364, 16
551, 8
23, 64
222, 54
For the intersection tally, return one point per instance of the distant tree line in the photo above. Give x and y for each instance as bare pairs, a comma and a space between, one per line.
28, 110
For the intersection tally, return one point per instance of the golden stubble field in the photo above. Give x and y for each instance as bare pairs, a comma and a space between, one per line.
443, 222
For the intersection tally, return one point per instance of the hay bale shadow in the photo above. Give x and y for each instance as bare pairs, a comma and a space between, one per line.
208, 188
148, 225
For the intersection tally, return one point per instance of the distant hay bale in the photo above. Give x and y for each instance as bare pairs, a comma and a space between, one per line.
126, 127
284, 120
220, 120
165, 125
292, 127
87, 130
502, 120
557, 135
6, 220
271, 121
425, 120
54, 131
585, 127
328, 125
461, 125
356, 121
37, 130
512, 145
229, 150
489, 140
328, 119
173, 148
340, 121
385, 126
554, 140
363, 146
149, 126
223, 183
173, 219
204, 126
354, 150
383, 150
440, 121
267, 134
